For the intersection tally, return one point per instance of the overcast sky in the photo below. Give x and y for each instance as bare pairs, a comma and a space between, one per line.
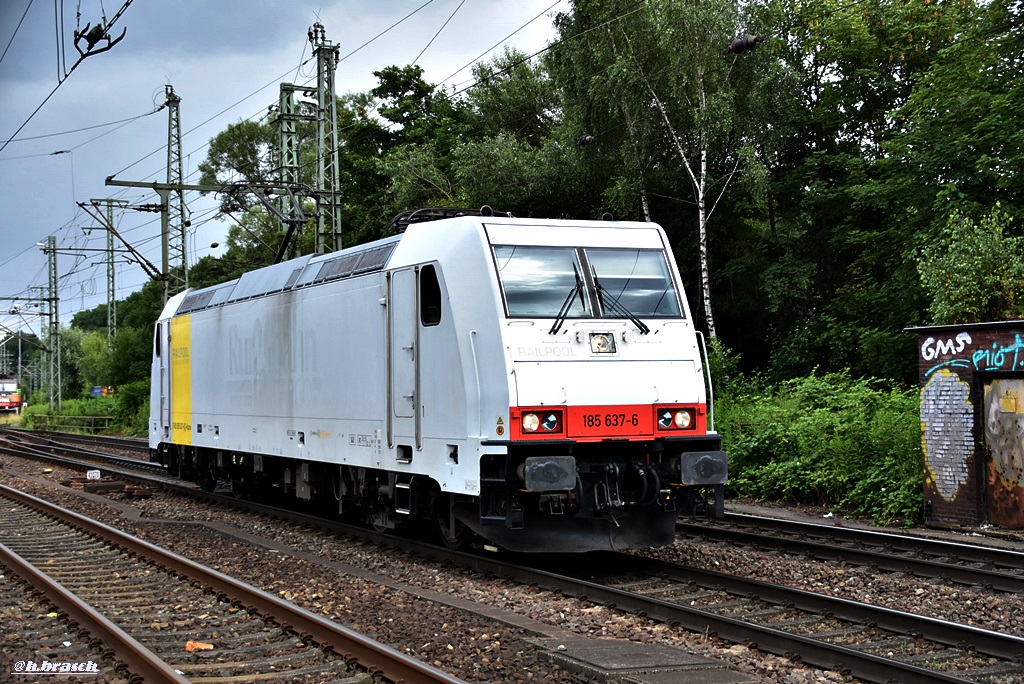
224, 59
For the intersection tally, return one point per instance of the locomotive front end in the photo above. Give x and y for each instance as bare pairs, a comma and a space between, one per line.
608, 437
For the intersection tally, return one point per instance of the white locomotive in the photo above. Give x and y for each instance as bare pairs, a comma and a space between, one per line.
534, 384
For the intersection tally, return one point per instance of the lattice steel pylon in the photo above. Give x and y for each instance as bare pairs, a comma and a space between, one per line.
175, 249
328, 173
53, 338
288, 113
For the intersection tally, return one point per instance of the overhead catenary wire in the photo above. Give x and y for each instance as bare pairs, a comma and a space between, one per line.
305, 62
434, 37
58, 21
242, 100
84, 128
16, 29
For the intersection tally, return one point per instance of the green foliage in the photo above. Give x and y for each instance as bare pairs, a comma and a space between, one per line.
975, 272
515, 97
73, 408
419, 177
131, 408
71, 363
36, 407
829, 440
239, 153
130, 356
94, 362
93, 406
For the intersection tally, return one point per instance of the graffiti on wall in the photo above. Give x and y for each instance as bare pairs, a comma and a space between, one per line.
947, 419
1004, 436
1004, 428
997, 357
974, 457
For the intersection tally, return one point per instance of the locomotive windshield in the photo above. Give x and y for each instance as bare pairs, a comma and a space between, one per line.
536, 282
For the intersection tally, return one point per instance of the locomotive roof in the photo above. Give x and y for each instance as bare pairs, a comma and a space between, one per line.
293, 274
355, 261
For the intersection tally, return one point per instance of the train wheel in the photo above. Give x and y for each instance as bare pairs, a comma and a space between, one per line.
378, 515
453, 532
241, 487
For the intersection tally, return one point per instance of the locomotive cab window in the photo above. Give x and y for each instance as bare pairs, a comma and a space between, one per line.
537, 282
430, 297
636, 279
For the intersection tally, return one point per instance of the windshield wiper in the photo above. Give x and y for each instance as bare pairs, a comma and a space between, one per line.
567, 304
613, 305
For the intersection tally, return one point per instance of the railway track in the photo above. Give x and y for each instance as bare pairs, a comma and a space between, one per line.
130, 444
38, 638
871, 643
54, 448
169, 619
970, 565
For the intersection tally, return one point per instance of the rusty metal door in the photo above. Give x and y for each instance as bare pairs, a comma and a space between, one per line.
1004, 438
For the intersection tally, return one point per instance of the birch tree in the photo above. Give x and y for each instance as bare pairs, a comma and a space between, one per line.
659, 68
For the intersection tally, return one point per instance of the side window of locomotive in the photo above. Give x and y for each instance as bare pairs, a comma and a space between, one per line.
536, 281
430, 297
637, 279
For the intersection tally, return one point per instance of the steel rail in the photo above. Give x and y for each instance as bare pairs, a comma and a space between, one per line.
391, 664
63, 455
884, 559
949, 633
906, 543
107, 441
137, 658
862, 665
812, 651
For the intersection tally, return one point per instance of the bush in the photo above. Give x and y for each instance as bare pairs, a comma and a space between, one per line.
131, 412
833, 441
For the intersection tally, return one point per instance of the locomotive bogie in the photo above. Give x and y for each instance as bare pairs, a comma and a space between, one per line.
537, 384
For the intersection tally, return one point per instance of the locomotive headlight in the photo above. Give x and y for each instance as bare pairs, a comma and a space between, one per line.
675, 419
602, 343
543, 421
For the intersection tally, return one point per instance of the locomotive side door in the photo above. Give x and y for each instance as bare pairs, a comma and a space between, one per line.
403, 360
163, 347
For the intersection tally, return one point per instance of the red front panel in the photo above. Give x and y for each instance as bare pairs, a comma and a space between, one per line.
592, 423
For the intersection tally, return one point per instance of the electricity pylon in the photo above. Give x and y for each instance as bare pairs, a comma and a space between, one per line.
328, 171
177, 268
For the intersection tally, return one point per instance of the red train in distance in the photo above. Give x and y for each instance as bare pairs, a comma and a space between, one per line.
10, 395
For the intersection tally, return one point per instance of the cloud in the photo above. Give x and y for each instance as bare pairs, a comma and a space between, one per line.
224, 59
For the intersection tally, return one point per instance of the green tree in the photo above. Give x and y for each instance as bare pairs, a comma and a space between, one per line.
240, 153
94, 363
424, 127
842, 282
515, 97
72, 383
653, 81
130, 356
960, 134
976, 272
